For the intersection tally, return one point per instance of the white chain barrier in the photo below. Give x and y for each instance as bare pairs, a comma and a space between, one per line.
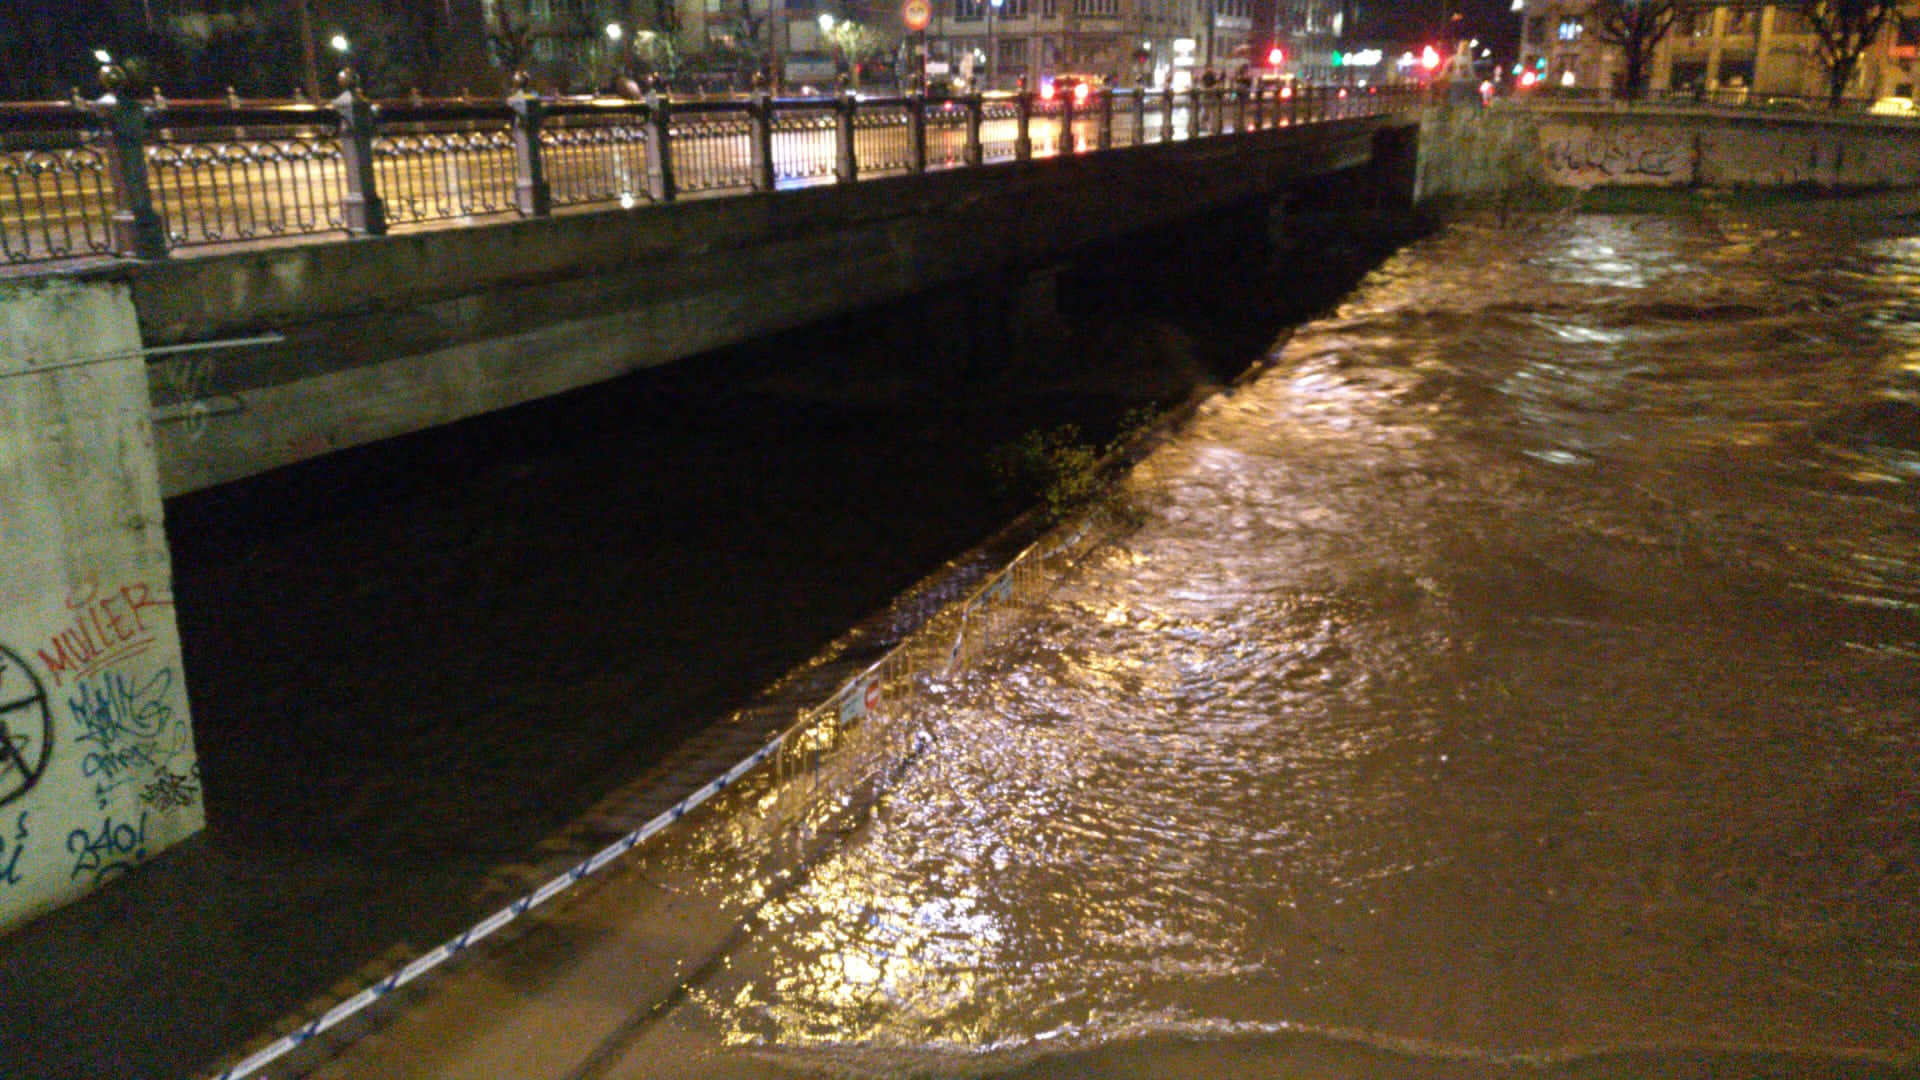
822, 740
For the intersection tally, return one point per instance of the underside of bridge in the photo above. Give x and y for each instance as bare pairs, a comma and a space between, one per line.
382, 336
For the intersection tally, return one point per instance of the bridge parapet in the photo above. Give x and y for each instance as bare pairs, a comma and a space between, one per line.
147, 179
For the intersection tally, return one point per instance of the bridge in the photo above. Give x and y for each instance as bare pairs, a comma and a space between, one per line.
203, 293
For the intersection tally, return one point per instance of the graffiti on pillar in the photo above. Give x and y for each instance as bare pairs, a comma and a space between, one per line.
97, 767
26, 728
13, 844
127, 727
105, 627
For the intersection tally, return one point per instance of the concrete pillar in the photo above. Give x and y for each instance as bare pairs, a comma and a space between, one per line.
97, 764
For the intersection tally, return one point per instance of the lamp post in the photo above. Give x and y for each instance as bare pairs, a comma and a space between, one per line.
993, 53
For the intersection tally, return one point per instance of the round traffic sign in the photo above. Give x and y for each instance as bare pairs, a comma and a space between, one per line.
916, 14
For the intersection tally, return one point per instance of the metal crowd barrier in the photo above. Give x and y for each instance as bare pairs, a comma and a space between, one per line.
131, 178
869, 726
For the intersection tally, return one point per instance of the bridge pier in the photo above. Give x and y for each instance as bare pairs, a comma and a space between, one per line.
97, 765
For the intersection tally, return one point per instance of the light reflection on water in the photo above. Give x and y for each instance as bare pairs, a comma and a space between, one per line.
1525, 665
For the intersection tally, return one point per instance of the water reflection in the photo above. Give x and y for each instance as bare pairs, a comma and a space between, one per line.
1494, 681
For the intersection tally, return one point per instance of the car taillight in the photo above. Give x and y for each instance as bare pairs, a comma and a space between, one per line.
1046, 92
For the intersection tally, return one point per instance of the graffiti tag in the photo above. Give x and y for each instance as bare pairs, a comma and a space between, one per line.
169, 791
105, 630
108, 851
26, 728
1625, 156
11, 848
126, 726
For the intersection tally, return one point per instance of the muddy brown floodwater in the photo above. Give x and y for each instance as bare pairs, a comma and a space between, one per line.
1521, 677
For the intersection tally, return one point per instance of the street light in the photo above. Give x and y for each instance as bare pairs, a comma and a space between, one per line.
993, 54
826, 22
103, 56
613, 31
339, 43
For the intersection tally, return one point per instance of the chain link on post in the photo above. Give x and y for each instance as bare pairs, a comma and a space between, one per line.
361, 208
660, 185
760, 135
917, 131
137, 231
846, 163
976, 113
531, 195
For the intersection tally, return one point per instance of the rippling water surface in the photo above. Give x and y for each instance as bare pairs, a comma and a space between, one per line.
1520, 674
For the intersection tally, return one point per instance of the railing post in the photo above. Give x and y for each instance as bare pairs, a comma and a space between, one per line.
1193, 111
1023, 111
1258, 106
1140, 115
1293, 105
1240, 93
1219, 111
760, 133
1103, 131
1166, 114
976, 113
917, 131
660, 185
361, 208
531, 194
846, 165
138, 232
1066, 123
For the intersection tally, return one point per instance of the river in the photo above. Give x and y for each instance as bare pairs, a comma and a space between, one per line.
1517, 677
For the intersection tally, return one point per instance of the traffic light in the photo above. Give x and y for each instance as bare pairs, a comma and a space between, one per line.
1276, 56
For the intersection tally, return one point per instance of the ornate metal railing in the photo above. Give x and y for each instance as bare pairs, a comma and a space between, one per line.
142, 179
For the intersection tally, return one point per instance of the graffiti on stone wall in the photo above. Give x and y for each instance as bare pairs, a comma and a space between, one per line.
1584, 158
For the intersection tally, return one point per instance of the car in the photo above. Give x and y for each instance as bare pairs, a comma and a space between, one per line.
1893, 106
1080, 86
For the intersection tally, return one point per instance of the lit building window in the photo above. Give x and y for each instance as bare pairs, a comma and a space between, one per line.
1571, 28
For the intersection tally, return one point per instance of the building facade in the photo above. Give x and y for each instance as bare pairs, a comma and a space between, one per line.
1726, 52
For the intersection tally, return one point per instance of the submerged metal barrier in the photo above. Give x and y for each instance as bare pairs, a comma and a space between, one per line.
868, 722
126, 177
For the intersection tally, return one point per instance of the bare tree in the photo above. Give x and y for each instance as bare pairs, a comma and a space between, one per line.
1845, 30
1636, 28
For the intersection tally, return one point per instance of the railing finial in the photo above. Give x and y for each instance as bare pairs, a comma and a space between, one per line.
113, 79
